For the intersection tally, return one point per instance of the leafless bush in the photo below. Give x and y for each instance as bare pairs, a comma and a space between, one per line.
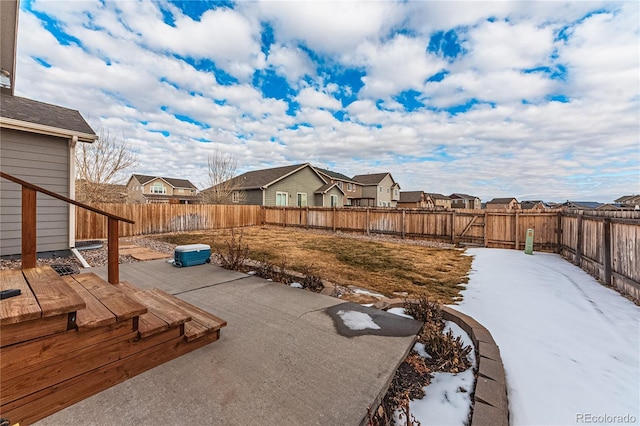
311, 281
235, 252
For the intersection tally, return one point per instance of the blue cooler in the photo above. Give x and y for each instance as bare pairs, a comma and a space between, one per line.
191, 254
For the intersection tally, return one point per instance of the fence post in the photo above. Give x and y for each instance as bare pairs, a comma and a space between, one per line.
29, 219
607, 251
578, 257
484, 228
517, 234
307, 218
367, 222
403, 222
453, 227
559, 234
334, 219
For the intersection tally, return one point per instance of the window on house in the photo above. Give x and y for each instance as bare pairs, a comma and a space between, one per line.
235, 197
158, 188
380, 189
349, 187
334, 200
302, 199
340, 184
282, 199
387, 190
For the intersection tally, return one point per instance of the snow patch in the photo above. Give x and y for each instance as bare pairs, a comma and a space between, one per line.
357, 320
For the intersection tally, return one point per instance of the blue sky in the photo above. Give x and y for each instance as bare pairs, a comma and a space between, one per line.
537, 100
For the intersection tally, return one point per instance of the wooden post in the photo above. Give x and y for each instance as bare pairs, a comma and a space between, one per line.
453, 227
334, 219
517, 236
606, 250
578, 257
559, 234
484, 229
403, 222
112, 252
367, 222
307, 219
29, 222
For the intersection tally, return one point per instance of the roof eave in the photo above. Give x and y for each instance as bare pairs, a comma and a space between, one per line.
25, 126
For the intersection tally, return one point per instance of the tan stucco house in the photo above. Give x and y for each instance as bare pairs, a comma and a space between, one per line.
378, 190
352, 189
504, 204
145, 189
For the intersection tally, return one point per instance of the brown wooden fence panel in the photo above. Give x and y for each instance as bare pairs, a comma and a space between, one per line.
162, 218
604, 243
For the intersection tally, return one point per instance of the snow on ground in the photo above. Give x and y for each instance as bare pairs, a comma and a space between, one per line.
447, 399
357, 320
570, 346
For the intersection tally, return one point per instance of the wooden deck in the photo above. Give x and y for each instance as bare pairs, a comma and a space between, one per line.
67, 338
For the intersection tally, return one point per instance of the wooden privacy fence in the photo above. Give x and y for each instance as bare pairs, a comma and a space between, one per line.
604, 243
488, 228
163, 218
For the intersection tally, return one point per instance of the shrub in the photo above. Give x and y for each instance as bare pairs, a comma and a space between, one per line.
234, 253
311, 281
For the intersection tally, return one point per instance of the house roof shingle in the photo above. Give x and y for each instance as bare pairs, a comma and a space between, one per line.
502, 200
176, 183
436, 196
30, 111
411, 196
261, 178
334, 175
370, 179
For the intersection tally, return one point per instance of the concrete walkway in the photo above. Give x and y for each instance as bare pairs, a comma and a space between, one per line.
280, 361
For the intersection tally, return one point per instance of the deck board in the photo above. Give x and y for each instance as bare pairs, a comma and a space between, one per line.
149, 323
19, 308
201, 316
95, 314
113, 298
53, 294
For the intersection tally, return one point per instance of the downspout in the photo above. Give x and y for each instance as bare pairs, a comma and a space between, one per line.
72, 190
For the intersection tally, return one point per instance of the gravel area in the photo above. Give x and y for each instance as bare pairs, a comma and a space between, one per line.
97, 257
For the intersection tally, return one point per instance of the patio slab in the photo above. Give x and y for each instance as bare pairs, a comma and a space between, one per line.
280, 360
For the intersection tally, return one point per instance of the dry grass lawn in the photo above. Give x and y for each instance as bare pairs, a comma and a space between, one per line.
387, 267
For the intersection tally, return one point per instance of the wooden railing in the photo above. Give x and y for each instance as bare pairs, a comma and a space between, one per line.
29, 221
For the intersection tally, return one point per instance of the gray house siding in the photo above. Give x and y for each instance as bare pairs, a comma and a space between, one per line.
43, 161
304, 181
252, 197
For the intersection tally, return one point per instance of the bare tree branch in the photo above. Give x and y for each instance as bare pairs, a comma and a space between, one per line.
100, 168
224, 189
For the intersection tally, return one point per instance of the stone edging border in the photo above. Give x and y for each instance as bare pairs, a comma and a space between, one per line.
490, 403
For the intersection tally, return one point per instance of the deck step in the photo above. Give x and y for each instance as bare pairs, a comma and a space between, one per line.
44, 294
117, 331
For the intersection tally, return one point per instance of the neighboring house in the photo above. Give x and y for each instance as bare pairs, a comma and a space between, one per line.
465, 201
297, 185
533, 205
503, 204
629, 201
581, 205
38, 146
144, 189
414, 200
352, 189
378, 190
438, 200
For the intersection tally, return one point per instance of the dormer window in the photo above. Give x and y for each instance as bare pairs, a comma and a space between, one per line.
158, 188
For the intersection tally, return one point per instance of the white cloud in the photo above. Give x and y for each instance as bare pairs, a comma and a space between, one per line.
293, 63
311, 98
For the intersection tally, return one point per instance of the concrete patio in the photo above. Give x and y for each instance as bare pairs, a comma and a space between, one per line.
283, 359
